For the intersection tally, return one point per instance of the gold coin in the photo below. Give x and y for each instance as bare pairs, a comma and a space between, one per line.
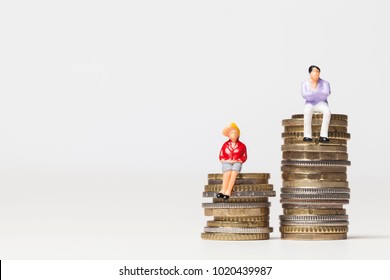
240, 188
315, 176
314, 122
236, 224
314, 156
334, 142
319, 116
314, 169
236, 212
262, 218
238, 229
314, 183
314, 211
313, 148
241, 194
316, 128
314, 236
234, 236
241, 200
331, 135
219, 176
313, 229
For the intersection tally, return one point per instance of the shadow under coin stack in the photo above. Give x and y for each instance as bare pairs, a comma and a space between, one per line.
245, 215
315, 185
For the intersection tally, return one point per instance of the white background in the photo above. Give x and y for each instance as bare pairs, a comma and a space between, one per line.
111, 115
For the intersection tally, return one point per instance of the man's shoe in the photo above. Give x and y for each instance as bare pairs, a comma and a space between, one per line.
324, 139
220, 195
307, 139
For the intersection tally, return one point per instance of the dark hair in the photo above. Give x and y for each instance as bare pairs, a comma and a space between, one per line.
313, 66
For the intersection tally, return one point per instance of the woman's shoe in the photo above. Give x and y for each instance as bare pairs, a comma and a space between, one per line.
324, 139
220, 195
226, 197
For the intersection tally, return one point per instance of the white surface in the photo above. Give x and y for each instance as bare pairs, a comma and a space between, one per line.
111, 115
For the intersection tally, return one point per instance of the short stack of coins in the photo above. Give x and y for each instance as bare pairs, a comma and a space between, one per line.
245, 215
315, 186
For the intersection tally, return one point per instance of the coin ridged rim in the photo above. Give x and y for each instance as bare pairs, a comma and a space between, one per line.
339, 177
313, 236
239, 182
315, 184
331, 135
312, 205
314, 211
236, 205
241, 188
315, 128
238, 230
314, 223
234, 236
316, 162
316, 122
262, 218
219, 176
236, 194
236, 212
314, 201
311, 173
334, 142
326, 196
315, 156
237, 224
313, 229
313, 169
312, 148
313, 217
241, 200
314, 190
319, 116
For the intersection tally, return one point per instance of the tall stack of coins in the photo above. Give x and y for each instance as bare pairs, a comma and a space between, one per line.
315, 186
245, 215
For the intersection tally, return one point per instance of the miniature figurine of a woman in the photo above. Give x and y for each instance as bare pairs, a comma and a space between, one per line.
316, 91
232, 156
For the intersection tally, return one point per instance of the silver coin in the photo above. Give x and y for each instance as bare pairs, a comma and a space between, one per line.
327, 196
314, 223
236, 205
317, 162
239, 230
315, 190
239, 181
243, 194
314, 184
313, 217
314, 202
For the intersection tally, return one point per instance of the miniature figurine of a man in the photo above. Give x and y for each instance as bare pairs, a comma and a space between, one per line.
316, 91
232, 156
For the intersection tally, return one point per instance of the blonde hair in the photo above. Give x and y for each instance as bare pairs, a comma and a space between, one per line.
227, 129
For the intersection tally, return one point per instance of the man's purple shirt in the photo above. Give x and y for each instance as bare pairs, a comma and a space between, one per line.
321, 92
